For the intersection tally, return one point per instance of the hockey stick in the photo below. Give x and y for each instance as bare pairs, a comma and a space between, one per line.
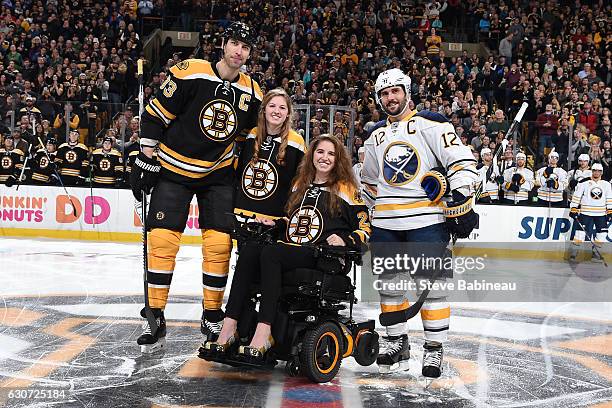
74, 210
143, 218
93, 218
502, 147
592, 241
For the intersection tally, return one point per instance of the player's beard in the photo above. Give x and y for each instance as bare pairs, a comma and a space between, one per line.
399, 109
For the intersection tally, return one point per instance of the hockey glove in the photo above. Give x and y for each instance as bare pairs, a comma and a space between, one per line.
434, 183
608, 218
144, 175
552, 183
11, 180
479, 166
514, 187
574, 212
518, 179
573, 183
499, 179
548, 171
460, 216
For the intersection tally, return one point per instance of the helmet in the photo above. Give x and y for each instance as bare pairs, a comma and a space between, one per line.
389, 78
597, 166
584, 157
239, 31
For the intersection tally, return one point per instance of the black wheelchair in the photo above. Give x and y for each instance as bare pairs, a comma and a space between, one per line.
312, 334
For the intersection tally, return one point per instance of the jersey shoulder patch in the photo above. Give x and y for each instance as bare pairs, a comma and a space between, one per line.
433, 116
377, 125
192, 69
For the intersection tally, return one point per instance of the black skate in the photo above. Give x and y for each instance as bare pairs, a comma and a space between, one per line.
210, 325
432, 359
395, 356
148, 342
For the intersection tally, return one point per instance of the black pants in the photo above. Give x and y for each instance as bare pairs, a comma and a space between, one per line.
556, 204
246, 274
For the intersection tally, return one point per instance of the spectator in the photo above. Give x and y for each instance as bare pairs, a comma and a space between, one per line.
547, 124
588, 117
499, 123
505, 48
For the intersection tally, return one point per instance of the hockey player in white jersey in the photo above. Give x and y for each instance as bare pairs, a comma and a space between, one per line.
518, 182
552, 181
489, 176
575, 176
404, 167
591, 206
357, 170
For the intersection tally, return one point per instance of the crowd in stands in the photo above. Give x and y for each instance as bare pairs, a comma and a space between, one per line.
71, 65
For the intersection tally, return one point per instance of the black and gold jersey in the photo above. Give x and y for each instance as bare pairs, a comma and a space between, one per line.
107, 166
195, 119
263, 188
72, 159
131, 158
11, 163
41, 167
312, 222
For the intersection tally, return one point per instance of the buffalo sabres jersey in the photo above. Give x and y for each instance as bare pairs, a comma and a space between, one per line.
72, 159
553, 194
195, 119
578, 175
525, 185
368, 198
594, 198
107, 166
263, 187
397, 156
11, 162
312, 221
41, 169
490, 187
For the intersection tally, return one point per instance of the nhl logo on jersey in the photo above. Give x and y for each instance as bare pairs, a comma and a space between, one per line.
305, 225
596, 193
218, 120
401, 163
259, 181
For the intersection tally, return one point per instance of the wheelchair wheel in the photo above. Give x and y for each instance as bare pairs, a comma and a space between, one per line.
321, 353
366, 350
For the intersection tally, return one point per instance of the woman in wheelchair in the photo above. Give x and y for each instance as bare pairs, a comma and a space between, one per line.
324, 208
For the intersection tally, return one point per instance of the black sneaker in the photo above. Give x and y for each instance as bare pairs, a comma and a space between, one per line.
149, 342
211, 324
395, 355
432, 359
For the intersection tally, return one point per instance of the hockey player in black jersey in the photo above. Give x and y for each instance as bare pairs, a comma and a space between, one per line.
268, 163
43, 170
72, 160
107, 165
11, 161
192, 124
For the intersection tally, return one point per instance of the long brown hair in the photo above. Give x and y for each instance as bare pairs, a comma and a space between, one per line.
262, 127
341, 174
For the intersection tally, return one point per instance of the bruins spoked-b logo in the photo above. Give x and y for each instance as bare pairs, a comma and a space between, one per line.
218, 120
6, 162
44, 162
71, 156
596, 193
105, 164
259, 181
305, 225
401, 163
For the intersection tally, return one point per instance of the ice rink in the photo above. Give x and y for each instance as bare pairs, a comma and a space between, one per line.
69, 321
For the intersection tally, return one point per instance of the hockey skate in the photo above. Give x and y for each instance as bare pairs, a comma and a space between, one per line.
432, 359
148, 342
210, 325
395, 356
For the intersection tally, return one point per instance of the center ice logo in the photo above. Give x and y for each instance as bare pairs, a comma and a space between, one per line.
401, 163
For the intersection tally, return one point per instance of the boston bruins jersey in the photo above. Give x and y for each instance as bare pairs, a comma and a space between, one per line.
107, 167
594, 198
397, 156
553, 194
72, 160
490, 187
195, 119
263, 188
11, 163
312, 221
41, 167
525, 186
131, 158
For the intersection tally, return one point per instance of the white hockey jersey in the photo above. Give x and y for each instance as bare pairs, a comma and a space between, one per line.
397, 156
365, 194
490, 187
552, 194
524, 188
593, 197
578, 175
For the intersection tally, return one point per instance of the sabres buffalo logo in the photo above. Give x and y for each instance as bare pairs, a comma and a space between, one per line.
218, 120
259, 181
401, 163
596, 193
305, 225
